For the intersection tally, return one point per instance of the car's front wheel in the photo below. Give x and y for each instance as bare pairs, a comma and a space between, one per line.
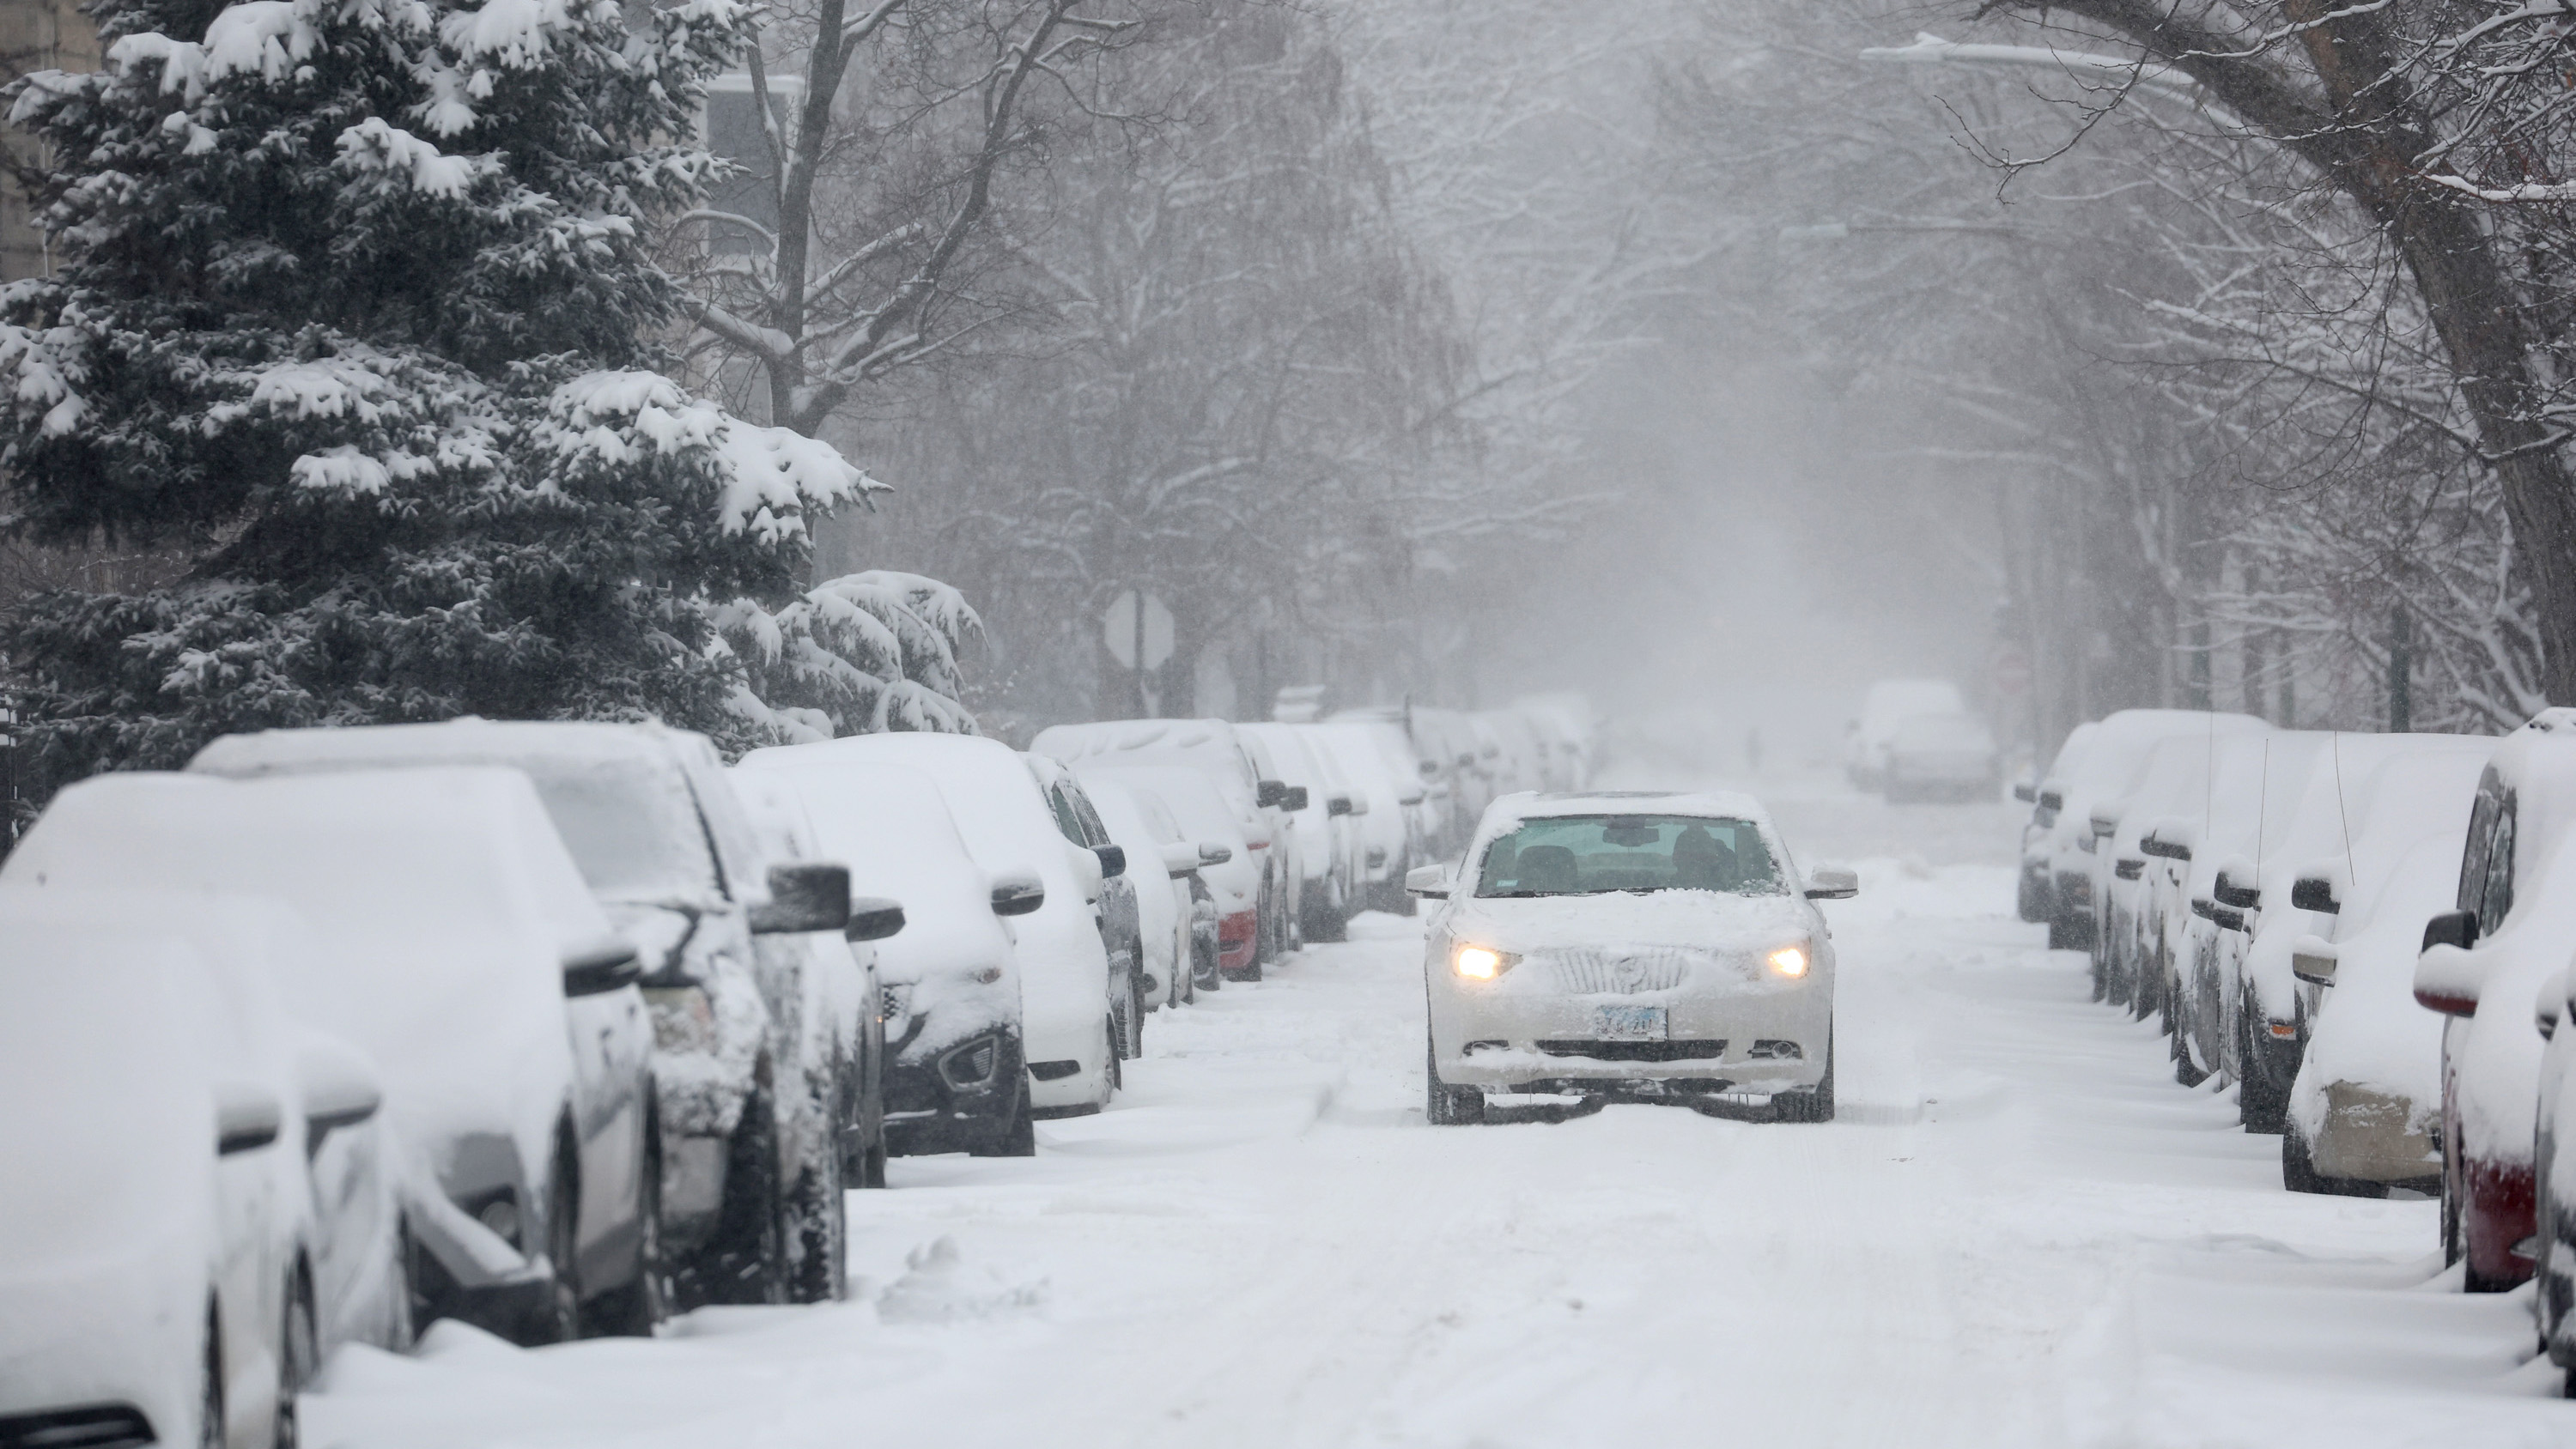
1809, 1104
299, 1358
1445, 1105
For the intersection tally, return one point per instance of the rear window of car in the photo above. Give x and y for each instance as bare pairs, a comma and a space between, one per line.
1574, 855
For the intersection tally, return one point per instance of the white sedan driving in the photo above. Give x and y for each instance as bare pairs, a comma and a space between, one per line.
1629, 944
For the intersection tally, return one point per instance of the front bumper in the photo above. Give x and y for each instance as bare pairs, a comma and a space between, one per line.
954, 1098
1763, 1041
1238, 939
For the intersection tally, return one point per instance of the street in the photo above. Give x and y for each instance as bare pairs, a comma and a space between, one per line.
2019, 1231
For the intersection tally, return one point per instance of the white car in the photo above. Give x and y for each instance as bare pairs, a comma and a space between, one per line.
1940, 757
950, 981
1388, 795
1231, 874
467, 959
1324, 852
1629, 943
1890, 703
190, 1185
1068, 996
1162, 863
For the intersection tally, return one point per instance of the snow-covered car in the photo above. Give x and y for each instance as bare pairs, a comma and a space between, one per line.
1890, 703
1069, 997
2090, 800
1642, 944
1940, 757
1388, 802
2357, 813
2554, 1178
1164, 864
1232, 879
1291, 840
1121, 918
2139, 862
821, 986
2255, 782
1325, 850
159, 1219
2036, 894
468, 961
949, 982
2512, 927
671, 857
1415, 758
1212, 747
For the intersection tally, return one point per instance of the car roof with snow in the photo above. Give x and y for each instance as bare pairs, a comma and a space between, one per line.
1725, 804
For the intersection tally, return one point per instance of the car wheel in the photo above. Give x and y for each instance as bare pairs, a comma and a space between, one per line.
1809, 1104
211, 1429
638, 1308
299, 1358
2262, 1106
559, 1321
745, 1260
1445, 1105
820, 1214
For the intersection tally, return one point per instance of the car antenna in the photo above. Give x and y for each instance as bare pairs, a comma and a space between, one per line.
2343, 812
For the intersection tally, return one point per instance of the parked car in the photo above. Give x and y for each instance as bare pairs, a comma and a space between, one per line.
1212, 746
1233, 881
1388, 803
1940, 757
1164, 865
1290, 841
162, 1234
2095, 797
1325, 850
2139, 861
2036, 895
821, 986
1890, 703
955, 1076
1071, 992
1120, 916
671, 857
2254, 783
2513, 926
1657, 946
2368, 801
470, 964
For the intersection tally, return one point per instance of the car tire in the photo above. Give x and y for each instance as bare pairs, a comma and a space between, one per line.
211, 1428
559, 1320
1809, 1104
864, 1165
2261, 1106
638, 1308
744, 1261
299, 1359
1444, 1105
818, 1215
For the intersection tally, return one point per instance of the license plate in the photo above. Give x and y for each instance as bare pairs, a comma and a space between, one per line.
1630, 1023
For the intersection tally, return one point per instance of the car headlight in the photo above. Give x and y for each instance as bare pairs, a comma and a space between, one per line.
1481, 963
1789, 960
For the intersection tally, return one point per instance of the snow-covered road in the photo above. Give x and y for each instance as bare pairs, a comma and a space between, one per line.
2020, 1232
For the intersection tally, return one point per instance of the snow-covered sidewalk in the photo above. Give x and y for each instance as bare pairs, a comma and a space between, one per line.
2020, 1232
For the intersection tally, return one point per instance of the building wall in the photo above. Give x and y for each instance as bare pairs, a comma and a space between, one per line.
34, 35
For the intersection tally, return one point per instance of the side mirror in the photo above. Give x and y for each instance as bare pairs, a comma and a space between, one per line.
2314, 893
1213, 853
1018, 894
1428, 881
1271, 793
1087, 872
247, 1116
2164, 845
1297, 799
1182, 858
2452, 928
808, 895
2225, 918
1409, 797
1338, 805
2313, 961
1430, 768
2235, 887
1832, 883
339, 1088
2129, 868
2023, 791
873, 919
2105, 822
606, 965
2051, 799
1113, 860
2549, 1005
2447, 979
1358, 804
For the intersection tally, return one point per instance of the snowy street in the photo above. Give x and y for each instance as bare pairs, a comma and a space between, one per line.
2020, 1231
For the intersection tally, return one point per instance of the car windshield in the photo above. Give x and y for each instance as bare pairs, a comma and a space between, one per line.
631, 825
1580, 855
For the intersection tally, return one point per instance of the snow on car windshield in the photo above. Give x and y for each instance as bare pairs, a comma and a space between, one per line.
1573, 855
631, 825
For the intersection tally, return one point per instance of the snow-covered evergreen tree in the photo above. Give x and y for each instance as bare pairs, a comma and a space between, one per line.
357, 303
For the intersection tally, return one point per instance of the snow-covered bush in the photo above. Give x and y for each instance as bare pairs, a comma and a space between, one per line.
356, 305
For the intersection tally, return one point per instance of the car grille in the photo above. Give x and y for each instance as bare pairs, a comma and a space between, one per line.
1636, 1051
1583, 972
